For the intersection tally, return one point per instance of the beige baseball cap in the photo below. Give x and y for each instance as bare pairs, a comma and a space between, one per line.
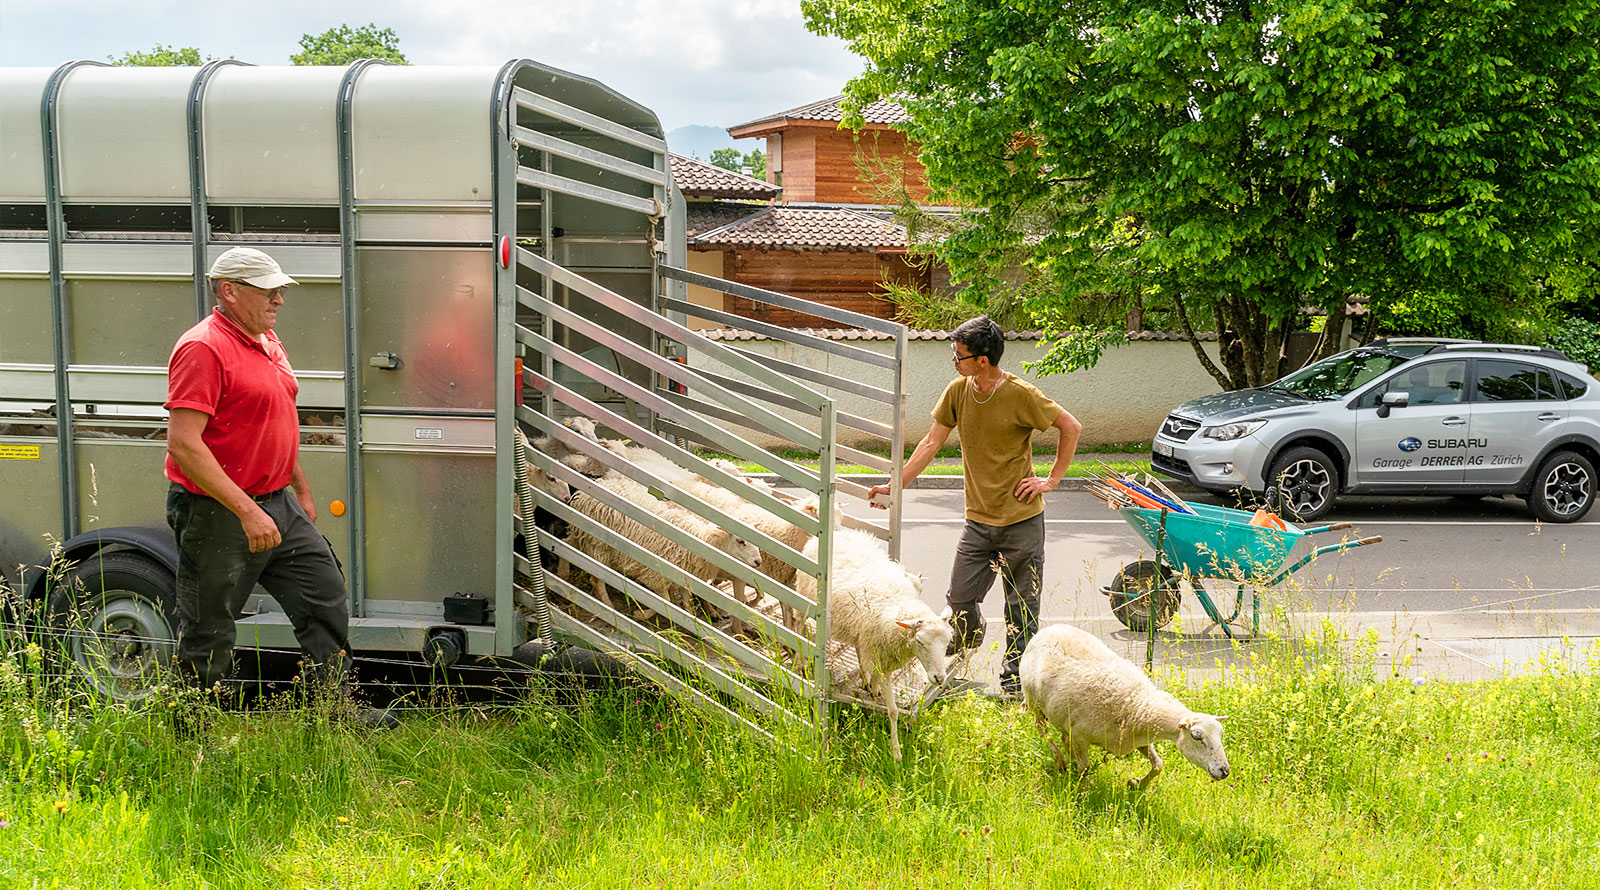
250, 266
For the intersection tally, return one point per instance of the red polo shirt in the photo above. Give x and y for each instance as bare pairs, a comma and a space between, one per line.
248, 389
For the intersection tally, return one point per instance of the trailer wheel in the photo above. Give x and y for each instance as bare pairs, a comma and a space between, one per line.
117, 622
1136, 587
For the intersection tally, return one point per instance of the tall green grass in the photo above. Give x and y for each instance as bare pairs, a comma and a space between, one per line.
1338, 781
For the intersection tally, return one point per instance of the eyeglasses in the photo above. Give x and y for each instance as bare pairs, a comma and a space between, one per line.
274, 293
958, 358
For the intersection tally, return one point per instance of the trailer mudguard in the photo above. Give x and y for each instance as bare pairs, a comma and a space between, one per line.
157, 543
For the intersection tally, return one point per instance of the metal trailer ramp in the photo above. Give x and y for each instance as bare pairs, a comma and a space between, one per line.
673, 406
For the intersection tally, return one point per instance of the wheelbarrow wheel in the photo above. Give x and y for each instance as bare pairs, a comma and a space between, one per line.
1137, 587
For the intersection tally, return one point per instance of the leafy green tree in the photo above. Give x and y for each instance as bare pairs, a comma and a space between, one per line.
732, 159
161, 56
1245, 159
343, 45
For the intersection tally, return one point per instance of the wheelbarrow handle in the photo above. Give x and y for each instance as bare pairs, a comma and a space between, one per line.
1321, 551
1329, 528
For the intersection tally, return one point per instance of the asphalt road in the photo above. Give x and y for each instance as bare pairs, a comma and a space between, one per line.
1484, 584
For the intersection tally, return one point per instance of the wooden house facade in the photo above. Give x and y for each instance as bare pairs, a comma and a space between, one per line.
824, 232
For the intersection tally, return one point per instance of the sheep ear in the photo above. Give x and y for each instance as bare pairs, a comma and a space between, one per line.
1221, 717
1185, 723
912, 625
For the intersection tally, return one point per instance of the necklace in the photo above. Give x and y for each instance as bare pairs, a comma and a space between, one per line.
979, 401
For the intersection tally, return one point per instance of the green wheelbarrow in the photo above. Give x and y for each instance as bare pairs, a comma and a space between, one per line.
1211, 542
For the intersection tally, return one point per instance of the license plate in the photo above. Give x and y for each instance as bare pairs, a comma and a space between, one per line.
1163, 449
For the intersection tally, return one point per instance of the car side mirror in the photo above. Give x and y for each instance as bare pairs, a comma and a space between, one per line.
1392, 400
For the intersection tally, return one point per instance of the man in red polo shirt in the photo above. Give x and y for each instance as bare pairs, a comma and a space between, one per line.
239, 503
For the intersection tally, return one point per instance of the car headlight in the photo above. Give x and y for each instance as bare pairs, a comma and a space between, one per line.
1227, 431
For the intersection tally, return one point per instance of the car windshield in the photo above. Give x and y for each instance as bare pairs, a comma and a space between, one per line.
1338, 375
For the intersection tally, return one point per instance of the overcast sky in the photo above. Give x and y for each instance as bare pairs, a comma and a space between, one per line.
717, 62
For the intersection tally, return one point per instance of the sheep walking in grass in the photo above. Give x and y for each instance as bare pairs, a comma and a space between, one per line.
1093, 696
874, 605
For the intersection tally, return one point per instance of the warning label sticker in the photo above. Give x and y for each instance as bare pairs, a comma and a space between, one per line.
19, 452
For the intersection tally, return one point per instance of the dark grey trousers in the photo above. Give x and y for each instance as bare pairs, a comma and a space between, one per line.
1016, 553
217, 572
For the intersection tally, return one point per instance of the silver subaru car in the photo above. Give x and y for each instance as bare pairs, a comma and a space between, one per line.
1399, 416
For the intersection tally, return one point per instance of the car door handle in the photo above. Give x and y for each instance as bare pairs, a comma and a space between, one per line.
1453, 421
1549, 416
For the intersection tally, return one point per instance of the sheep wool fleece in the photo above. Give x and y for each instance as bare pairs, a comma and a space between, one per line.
997, 452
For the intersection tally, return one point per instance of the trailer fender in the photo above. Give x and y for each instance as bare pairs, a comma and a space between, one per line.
157, 543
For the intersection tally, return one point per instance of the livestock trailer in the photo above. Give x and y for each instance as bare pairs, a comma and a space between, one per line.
478, 248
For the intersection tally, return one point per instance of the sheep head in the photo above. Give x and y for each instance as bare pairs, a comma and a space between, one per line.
928, 637
583, 426
736, 547
548, 484
1200, 741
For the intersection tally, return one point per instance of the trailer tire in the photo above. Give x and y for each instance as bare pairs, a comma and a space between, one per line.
115, 618
1129, 600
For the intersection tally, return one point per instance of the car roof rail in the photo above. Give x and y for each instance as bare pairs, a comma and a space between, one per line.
1518, 348
1408, 339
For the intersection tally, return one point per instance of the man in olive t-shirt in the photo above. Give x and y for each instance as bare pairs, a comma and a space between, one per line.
996, 414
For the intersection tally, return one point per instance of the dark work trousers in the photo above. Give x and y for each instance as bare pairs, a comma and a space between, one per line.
1017, 552
217, 572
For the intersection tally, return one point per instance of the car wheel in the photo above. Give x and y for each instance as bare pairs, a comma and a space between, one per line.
117, 619
1302, 484
1136, 587
1564, 488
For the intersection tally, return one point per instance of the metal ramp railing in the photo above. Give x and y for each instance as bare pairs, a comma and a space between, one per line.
745, 670
847, 382
597, 338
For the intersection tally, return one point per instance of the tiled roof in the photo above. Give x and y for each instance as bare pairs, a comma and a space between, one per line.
859, 334
883, 112
704, 216
787, 227
698, 179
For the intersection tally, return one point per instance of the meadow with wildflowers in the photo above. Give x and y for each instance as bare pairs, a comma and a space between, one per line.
1338, 780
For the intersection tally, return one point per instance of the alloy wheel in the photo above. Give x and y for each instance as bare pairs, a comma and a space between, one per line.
1567, 488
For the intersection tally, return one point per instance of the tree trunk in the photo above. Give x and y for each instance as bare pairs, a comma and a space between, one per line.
1229, 346
1332, 331
1199, 351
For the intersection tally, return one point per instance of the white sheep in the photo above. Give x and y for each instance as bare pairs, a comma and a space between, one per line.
750, 514
652, 541
874, 605
570, 456
1093, 696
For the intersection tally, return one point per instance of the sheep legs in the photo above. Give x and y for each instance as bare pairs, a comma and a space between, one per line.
1045, 728
894, 717
1155, 768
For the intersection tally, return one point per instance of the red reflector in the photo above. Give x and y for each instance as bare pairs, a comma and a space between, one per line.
505, 252
516, 396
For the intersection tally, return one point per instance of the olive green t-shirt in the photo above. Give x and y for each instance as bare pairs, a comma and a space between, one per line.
997, 443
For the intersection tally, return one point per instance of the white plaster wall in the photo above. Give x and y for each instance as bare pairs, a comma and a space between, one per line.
705, 262
1123, 398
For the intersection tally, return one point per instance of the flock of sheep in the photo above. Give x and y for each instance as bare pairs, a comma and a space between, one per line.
1071, 682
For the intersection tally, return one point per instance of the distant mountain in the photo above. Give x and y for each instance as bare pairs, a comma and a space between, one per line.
699, 141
